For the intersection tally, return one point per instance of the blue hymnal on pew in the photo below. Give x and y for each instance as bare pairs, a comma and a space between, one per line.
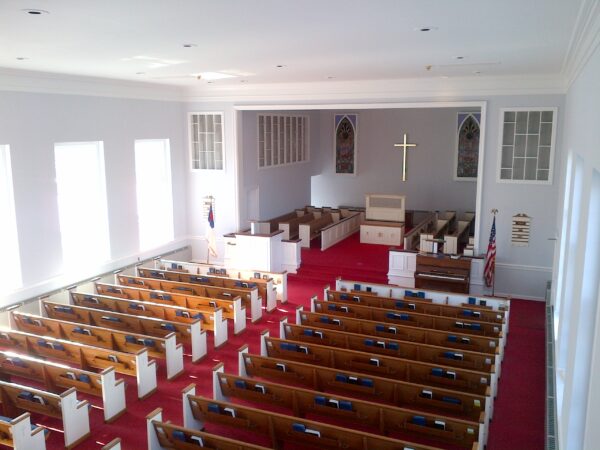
472, 300
341, 378
369, 342
240, 384
344, 296
214, 408
419, 420
168, 326
436, 371
392, 346
179, 435
319, 400
454, 400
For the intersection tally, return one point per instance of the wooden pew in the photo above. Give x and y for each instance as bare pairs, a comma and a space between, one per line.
454, 242
211, 317
271, 225
465, 326
416, 304
85, 356
125, 336
425, 240
290, 226
311, 230
386, 346
141, 318
249, 296
73, 413
384, 366
469, 407
277, 280
399, 331
222, 282
199, 411
302, 402
164, 435
441, 297
54, 376
63, 327
115, 444
20, 434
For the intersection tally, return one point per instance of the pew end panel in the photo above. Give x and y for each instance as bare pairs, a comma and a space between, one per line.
113, 395
145, 374
199, 342
282, 323
174, 353
220, 328
299, 310
75, 416
242, 351
151, 436
189, 421
20, 434
239, 316
217, 391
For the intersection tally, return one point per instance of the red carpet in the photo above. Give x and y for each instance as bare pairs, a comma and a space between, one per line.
518, 422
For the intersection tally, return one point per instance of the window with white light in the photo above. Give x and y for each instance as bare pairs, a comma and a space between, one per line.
10, 265
82, 207
154, 192
206, 140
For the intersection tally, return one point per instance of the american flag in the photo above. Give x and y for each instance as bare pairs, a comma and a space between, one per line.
490, 258
211, 238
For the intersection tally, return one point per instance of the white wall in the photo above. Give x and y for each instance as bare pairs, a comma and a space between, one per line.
31, 123
578, 339
221, 184
281, 188
430, 183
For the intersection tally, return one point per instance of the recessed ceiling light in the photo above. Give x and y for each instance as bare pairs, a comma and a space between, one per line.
477, 72
140, 73
330, 78
243, 81
459, 57
189, 45
209, 82
21, 58
426, 29
35, 12
280, 66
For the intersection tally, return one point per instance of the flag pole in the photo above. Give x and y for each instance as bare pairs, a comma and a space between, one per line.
494, 212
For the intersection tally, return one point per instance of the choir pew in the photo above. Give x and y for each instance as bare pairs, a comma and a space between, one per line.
265, 287
416, 304
20, 434
276, 280
250, 298
400, 331
386, 346
54, 375
434, 400
311, 230
290, 226
301, 402
442, 297
73, 413
199, 411
63, 327
465, 326
109, 330
85, 356
384, 366
211, 317
145, 318
164, 435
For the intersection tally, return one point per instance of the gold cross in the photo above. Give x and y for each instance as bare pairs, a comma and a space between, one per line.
404, 146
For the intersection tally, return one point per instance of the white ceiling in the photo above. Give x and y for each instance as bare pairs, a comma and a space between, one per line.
314, 40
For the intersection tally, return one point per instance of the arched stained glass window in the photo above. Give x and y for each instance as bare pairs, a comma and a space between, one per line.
468, 146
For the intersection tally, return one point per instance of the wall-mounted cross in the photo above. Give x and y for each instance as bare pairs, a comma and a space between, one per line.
404, 146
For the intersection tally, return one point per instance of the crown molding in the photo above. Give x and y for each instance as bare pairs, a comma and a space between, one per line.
381, 90
58, 83
584, 40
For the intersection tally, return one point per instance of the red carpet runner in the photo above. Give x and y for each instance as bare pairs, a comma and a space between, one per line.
518, 422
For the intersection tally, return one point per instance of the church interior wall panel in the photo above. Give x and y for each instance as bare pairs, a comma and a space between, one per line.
581, 137
429, 184
31, 123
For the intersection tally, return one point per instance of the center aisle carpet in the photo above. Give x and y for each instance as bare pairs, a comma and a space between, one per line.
518, 422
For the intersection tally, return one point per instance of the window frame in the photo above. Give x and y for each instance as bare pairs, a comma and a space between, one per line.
191, 138
550, 179
305, 139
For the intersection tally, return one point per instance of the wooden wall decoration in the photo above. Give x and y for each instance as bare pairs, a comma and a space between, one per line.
520, 230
